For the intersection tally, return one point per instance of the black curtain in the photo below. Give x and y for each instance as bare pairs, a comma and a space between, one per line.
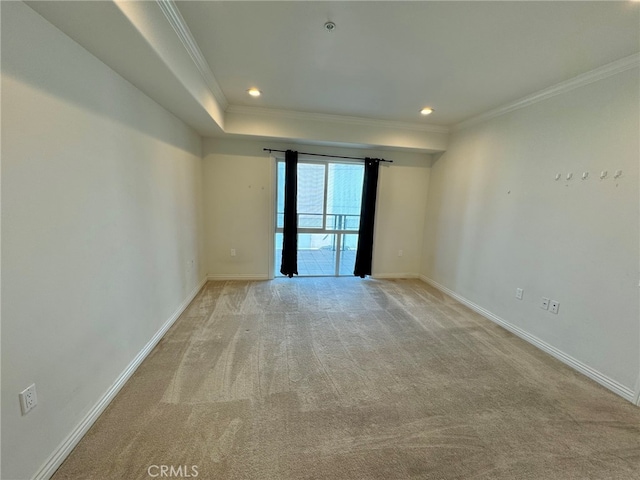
289, 266
364, 253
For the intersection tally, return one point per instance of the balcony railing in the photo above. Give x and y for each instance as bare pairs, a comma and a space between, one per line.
333, 222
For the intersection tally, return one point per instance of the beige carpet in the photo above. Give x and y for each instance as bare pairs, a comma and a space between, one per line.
343, 378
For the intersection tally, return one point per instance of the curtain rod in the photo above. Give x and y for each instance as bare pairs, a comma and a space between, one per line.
322, 155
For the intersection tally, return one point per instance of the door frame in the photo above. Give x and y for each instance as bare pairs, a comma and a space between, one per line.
274, 217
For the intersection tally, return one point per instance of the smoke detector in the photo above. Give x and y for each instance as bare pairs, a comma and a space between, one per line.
329, 26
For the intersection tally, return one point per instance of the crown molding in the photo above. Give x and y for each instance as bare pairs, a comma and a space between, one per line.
608, 70
325, 117
179, 25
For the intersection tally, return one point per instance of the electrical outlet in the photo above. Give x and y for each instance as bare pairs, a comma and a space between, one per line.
28, 399
554, 306
400, 253
233, 252
544, 303
519, 293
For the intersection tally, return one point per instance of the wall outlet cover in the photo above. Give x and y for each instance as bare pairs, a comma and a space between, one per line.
28, 399
544, 303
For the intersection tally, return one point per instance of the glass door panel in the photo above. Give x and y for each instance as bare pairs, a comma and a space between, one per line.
344, 195
316, 254
311, 193
349, 245
277, 263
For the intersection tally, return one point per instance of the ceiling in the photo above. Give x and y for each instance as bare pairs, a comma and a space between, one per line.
389, 59
383, 62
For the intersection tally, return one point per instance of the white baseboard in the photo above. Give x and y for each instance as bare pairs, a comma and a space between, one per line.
251, 276
614, 386
50, 466
384, 276
237, 276
636, 398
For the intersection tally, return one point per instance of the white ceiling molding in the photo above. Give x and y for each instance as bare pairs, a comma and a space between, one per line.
613, 68
178, 24
342, 119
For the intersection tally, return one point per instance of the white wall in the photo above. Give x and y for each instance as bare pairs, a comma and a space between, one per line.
101, 221
402, 201
498, 220
239, 181
238, 208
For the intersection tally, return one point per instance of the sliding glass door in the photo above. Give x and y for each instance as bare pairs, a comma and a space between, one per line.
329, 196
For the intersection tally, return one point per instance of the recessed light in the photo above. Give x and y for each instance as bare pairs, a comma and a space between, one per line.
254, 92
426, 111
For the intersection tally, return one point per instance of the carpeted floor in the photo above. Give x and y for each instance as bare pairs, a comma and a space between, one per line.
343, 378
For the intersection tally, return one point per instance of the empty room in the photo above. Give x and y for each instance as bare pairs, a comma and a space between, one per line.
320, 240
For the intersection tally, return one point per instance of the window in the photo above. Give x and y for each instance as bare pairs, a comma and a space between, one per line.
329, 197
